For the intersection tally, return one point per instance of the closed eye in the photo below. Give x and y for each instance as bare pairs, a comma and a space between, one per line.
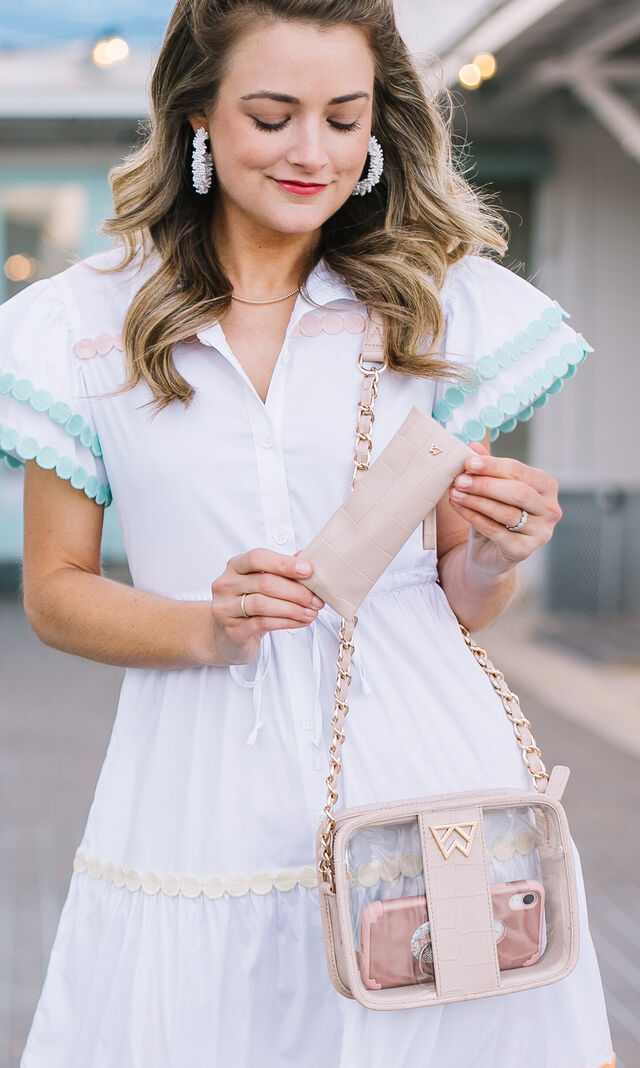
281, 125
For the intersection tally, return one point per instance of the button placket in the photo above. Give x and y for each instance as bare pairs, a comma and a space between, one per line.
266, 421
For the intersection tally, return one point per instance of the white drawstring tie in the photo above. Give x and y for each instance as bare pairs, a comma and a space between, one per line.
261, 667
255, 684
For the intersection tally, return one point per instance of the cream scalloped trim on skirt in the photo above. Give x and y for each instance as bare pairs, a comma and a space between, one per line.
213, 887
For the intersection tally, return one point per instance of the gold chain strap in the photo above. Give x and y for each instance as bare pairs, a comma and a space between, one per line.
511, 702
347, 627
521, 727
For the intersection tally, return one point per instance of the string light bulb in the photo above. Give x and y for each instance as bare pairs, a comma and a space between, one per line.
109, 51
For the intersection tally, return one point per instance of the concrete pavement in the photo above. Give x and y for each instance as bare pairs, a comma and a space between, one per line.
56, 714
585, 712
601, 695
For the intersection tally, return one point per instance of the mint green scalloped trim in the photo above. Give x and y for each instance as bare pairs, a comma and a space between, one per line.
488, 367
22, 389
49, 458
533, 392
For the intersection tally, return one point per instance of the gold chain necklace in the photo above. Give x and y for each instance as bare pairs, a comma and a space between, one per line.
274, 300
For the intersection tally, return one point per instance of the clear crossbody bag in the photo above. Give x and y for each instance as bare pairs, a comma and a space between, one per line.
415, 906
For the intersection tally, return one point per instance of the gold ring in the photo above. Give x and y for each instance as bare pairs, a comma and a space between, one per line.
245, 614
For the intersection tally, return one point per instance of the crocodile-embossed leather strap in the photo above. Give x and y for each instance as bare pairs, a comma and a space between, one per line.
373, 351
386, 504
459, 904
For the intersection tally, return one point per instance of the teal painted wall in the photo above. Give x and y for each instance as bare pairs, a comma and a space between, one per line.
96, 188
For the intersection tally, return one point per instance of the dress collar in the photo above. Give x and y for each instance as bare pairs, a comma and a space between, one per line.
324, 287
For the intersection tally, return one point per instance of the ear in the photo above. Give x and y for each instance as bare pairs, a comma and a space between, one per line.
198, 120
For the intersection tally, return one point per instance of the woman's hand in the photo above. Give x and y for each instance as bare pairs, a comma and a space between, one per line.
275, 601
492, 492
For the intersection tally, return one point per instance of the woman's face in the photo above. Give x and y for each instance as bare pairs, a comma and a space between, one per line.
295, 106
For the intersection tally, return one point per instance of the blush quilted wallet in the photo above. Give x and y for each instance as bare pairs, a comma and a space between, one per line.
400, 489
380, 859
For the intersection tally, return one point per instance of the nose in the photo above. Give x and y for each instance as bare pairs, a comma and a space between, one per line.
307, 150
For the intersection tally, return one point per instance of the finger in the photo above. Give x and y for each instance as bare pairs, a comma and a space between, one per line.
506, 468
508, 491
505, 514
257, 604
277, 623
507, 540
283, 589
478, 447
263, 623
266, 560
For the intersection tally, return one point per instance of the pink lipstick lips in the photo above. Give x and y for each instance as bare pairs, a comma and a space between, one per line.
304, 189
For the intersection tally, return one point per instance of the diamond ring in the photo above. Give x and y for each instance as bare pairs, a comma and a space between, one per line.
521, 522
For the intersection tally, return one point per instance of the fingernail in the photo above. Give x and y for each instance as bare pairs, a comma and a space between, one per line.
464, 481
317, 603
457, 495
302, 568
476, 463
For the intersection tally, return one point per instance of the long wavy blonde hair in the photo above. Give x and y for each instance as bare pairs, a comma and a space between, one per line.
392, 246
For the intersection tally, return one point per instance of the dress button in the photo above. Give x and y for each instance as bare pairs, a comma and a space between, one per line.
280, 537
267, 441
306, 724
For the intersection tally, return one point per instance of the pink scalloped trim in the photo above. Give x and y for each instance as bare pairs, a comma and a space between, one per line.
330, 323
88, 347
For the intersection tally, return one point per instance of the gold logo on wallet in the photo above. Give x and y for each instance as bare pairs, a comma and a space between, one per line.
454, 836
434, 450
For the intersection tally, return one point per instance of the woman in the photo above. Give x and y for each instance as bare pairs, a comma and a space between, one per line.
207, 381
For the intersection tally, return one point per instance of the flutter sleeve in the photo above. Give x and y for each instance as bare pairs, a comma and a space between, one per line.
512, 341
44, 411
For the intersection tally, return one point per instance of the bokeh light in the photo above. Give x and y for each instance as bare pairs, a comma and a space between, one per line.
469, 76
109, 51
20, 268
486, 64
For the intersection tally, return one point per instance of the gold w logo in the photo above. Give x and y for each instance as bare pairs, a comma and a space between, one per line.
434, 450
455, 836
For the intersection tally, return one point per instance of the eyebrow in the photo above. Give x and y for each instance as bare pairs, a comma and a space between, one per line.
283, 98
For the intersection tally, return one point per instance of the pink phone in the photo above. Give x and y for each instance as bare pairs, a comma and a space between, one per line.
395, 945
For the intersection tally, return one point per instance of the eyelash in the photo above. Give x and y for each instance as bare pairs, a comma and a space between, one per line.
281, 125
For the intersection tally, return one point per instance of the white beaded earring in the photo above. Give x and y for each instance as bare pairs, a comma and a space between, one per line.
202, 162
374, 173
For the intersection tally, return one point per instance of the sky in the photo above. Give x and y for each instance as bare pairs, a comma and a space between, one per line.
425, 24
36, 23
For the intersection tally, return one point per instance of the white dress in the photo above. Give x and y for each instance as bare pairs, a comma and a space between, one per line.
191, 933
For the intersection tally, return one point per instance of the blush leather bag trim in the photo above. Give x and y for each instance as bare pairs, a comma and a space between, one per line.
454, 980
